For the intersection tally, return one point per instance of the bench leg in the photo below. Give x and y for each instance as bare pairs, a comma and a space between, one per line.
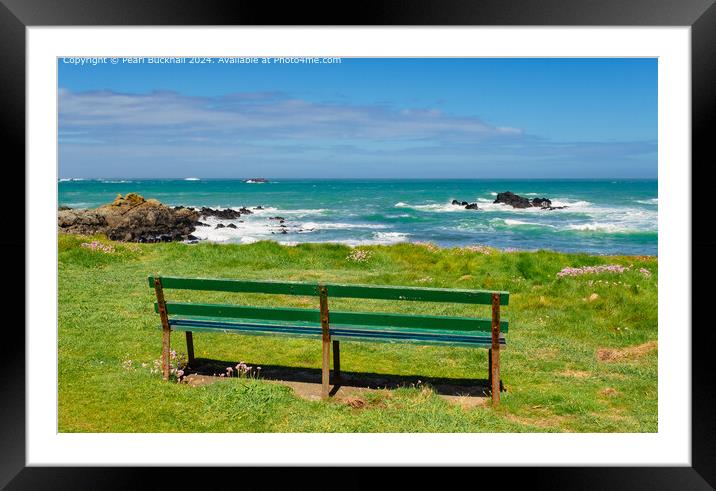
166, 333
489, 367
326, 370
495, 380
336, 362
190, 347
489, 372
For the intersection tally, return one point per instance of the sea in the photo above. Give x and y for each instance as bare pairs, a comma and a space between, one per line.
600, 216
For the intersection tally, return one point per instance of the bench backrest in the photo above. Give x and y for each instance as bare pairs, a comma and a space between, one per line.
445, 295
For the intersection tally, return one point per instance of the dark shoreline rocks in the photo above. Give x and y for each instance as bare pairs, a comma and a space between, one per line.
221, 225
225, 214
517, 201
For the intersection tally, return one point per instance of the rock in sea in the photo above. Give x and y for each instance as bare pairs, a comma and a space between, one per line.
465, 204
517, 201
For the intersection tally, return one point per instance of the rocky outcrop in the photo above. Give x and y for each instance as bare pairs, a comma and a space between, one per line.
517, 201
131, 219
465, 204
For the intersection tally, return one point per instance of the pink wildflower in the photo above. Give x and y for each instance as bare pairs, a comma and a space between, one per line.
98, 246
607, 268
480, 249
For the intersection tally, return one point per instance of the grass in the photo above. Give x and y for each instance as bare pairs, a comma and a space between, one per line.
573, 363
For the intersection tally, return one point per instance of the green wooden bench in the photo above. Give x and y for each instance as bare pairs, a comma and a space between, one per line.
333, 326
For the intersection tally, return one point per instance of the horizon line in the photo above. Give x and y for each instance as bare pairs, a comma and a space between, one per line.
192, 178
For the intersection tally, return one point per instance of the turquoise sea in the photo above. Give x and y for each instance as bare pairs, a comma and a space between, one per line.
601, 216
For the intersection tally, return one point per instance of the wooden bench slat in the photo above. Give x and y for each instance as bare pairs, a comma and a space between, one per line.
482, 297
430, 337
414, 321
450, 295
241, 311
336, 318
238, 286
214, 321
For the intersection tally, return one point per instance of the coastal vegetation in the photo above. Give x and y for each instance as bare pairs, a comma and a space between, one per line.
581, 353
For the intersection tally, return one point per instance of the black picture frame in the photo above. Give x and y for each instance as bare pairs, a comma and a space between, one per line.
700, 15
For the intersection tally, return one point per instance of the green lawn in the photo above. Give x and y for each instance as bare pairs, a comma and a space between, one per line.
573, 363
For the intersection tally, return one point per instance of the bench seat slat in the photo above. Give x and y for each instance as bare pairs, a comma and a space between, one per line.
336, 318
309, 326
451, 295
338, 333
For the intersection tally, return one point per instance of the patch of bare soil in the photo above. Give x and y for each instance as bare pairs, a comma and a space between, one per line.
195, 380
628, 353
608, 391
548, 422
575, 374
466, 402
354, 402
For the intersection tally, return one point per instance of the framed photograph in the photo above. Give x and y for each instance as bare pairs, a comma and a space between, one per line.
444, 235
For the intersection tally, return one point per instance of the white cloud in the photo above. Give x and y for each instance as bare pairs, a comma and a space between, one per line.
260, 115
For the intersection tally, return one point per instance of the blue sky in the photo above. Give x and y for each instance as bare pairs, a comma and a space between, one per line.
383, 118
